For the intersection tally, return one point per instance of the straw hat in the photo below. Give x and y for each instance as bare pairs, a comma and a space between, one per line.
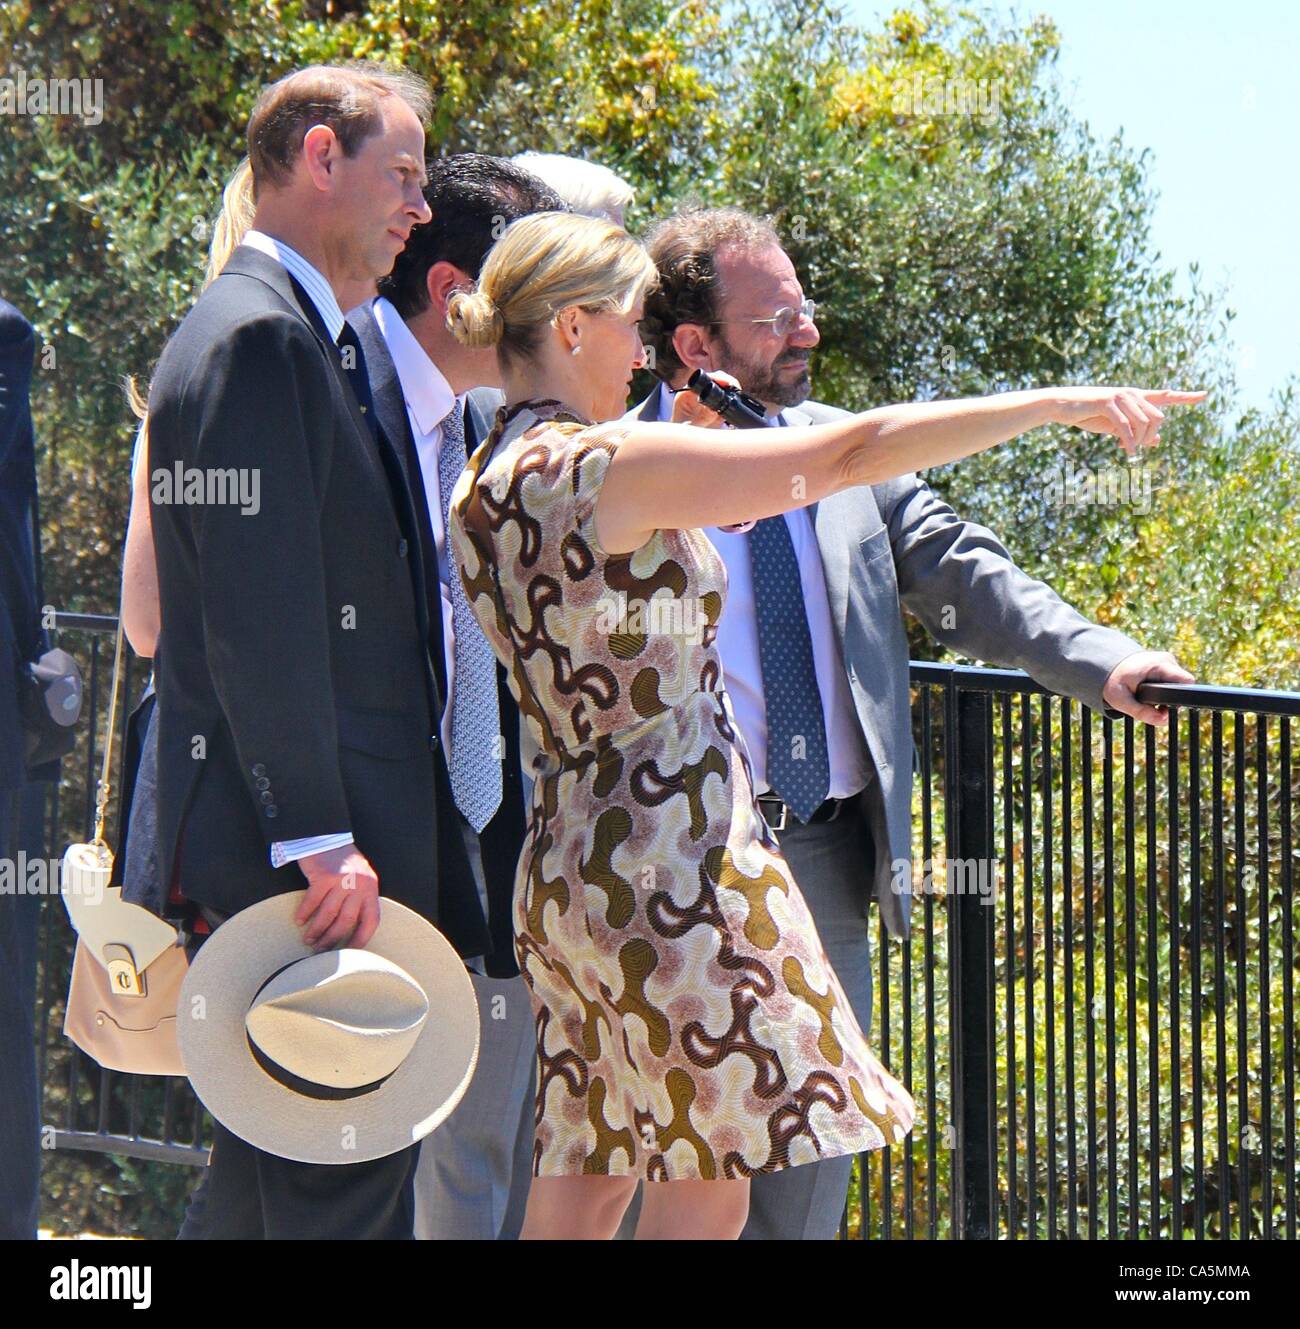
336, 1057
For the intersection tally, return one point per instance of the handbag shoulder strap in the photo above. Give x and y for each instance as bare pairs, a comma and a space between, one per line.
104, 788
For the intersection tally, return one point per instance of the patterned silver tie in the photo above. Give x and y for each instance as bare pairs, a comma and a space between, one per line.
477, 745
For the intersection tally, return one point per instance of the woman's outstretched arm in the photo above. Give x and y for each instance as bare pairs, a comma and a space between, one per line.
666, 476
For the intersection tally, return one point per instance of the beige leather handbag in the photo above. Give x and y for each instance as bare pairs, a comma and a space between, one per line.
129, 964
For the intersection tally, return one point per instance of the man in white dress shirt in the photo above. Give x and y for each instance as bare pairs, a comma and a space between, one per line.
435, 400
285, 757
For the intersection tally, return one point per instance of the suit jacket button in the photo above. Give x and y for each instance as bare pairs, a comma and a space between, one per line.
263, 782
433, 742
401, 549
272, 811
268, 797
259, 769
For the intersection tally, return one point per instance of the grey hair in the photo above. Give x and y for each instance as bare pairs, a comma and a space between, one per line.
587, 187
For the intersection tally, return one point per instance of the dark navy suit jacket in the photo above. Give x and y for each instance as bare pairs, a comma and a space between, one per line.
20, 630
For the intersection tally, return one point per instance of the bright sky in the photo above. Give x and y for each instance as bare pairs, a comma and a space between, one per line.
1213, 89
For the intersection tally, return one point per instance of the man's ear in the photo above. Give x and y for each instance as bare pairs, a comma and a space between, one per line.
692, 344
319, 150
442, 280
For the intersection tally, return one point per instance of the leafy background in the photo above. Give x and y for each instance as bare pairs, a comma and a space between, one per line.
949, 255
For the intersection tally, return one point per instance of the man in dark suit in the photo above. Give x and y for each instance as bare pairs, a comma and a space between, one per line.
21, 640
830, 622
297, 737
436, 399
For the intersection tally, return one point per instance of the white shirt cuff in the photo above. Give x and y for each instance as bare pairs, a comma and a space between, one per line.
290, 851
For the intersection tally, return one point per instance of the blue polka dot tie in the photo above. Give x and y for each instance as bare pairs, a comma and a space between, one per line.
798, 767
476, 743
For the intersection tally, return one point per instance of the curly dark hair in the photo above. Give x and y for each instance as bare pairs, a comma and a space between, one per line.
684, 248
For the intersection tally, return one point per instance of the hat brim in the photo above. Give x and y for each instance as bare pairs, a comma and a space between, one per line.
226, 974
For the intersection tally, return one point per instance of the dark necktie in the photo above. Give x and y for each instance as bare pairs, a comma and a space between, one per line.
354, 365
798, 766
353, 360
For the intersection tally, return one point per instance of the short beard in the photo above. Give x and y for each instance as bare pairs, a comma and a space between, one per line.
762, 380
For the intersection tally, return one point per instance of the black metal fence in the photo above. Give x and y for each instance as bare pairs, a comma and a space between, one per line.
1095, 1009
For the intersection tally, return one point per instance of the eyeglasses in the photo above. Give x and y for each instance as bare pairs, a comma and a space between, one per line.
783, 321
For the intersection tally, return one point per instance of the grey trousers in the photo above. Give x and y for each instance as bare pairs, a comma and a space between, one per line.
472, 1180
832, 863
471, 1183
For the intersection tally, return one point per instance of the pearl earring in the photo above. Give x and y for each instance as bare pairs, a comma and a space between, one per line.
575, 350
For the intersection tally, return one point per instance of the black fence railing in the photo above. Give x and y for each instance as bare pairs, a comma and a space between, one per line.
1095, 1009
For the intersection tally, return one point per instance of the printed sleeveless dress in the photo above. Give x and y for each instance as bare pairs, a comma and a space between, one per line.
688, 1022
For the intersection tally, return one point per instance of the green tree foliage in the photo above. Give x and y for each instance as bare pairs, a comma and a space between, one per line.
959, 227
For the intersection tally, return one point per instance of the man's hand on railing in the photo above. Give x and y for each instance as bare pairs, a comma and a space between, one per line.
1121, 687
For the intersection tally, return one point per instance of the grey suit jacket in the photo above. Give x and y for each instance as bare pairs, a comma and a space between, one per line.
898, 545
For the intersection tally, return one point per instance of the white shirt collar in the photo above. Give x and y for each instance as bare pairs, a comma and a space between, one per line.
428, 395
310, 278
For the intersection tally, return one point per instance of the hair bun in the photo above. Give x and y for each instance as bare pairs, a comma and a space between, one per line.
474, 319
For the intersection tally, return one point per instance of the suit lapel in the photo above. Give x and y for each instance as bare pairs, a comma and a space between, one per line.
841, 522
385, 388
397, 445
249, 262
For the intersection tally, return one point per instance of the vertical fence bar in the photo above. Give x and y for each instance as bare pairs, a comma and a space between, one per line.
1049, 967
1241, 922
1089, 974
931, 1090
1175, 951
1288, 985
1009, 967
1265, 996
1153, 986
1198, 1066
886, 1154
972, 1025
1027, 876
1220, 966
1108, 895
1067, 906
1130, 974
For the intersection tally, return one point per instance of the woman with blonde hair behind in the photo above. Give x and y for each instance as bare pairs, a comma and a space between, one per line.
139, 573
690, 1030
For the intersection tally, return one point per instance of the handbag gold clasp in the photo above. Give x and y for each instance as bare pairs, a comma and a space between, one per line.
123, 977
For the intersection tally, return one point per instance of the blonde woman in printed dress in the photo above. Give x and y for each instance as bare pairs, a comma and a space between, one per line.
690, 1031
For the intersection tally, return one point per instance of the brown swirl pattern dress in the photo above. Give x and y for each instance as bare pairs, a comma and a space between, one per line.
688, 1022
